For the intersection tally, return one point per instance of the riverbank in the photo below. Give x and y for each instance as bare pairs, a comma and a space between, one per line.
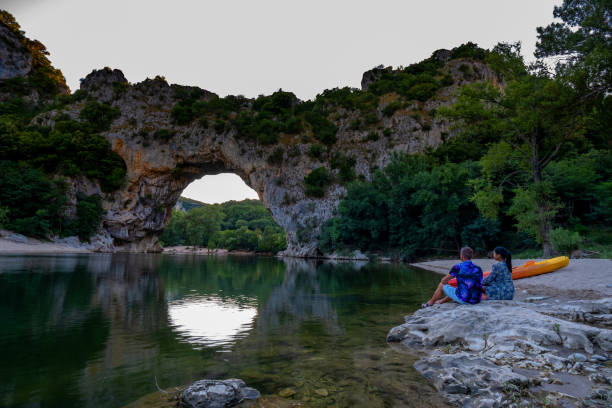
35, 246
582, 279
549, 347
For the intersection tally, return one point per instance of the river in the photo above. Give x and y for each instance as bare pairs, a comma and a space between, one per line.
99, 330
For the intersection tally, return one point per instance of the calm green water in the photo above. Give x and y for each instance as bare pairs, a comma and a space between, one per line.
98, 330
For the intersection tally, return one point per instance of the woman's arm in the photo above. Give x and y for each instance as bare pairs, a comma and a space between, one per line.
492, 276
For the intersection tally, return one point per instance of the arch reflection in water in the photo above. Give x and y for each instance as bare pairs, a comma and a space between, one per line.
212, 321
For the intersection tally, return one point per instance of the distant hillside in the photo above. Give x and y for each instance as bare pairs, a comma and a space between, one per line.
185, 204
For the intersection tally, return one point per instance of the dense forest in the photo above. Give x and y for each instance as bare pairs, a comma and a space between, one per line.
234, 225
529, 165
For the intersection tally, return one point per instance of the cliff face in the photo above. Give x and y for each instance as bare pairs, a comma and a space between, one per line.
162, 157
13, 61
159, 168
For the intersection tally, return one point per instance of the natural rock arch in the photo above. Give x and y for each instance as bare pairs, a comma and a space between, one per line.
162, 158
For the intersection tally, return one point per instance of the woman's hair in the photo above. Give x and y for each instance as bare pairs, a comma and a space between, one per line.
504, 253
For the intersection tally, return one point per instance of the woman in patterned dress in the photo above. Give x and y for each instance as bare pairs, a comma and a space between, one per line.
498, 285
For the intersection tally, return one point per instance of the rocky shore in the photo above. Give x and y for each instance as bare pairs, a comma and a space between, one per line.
547, 348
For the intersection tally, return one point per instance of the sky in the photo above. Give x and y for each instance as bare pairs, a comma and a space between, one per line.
252, 47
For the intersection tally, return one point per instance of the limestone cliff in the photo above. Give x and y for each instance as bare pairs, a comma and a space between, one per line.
162, 156
21, 57
159, 169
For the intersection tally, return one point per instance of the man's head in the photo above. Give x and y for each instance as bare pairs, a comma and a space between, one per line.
466, 253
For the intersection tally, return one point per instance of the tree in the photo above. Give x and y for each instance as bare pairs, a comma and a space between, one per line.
583, 44
535, 116
201, 224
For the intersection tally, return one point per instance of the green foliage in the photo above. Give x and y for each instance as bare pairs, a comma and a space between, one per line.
390, 109
89, 214
99, 115
537, 117
33, 201
315, 151
345, 165
372, 137
316, 182
422, 80
469, 50
271, 240
347, 98
582, 44
4, 219
506, 60
603, 203
201, 224
565, 241
234, 225
164, 134
410, 207
276, 157
532, 207
70, 148
190, 105
323, 129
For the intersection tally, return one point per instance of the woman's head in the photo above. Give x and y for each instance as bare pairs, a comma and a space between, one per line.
502, 254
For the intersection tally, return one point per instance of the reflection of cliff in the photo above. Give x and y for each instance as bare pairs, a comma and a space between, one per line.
129, 290
297, 299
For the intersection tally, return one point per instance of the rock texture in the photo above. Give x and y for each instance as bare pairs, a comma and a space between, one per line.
217, 394
159, 169
14, 60
505, 352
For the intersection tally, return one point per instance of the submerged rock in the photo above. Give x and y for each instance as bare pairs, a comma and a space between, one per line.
217, 394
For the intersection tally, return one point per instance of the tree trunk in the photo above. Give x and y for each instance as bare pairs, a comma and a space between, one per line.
545, 227
542, 202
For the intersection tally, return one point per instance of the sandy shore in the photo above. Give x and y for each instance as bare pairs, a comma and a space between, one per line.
36, 246
581, 279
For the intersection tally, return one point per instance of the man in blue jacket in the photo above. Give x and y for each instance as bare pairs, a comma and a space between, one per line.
469, 282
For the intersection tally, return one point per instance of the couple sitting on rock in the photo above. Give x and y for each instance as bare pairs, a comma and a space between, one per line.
471, 287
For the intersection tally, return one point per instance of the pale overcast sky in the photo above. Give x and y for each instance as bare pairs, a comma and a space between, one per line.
253, 47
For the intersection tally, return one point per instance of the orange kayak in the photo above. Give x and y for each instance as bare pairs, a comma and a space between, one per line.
532, 268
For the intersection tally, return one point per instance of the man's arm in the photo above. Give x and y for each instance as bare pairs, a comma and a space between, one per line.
445, 279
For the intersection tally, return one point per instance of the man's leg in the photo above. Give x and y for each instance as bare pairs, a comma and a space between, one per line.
438, 294
446, 299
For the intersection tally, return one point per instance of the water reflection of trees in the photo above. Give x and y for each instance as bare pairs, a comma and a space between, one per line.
298, 298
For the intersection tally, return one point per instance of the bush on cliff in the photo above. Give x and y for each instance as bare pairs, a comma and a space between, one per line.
316, 182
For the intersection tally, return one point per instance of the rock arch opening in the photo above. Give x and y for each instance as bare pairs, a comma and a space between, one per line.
219, 188
221, 213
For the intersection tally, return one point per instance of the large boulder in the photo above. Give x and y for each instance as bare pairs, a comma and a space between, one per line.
490, 354
217, 394
496, 323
